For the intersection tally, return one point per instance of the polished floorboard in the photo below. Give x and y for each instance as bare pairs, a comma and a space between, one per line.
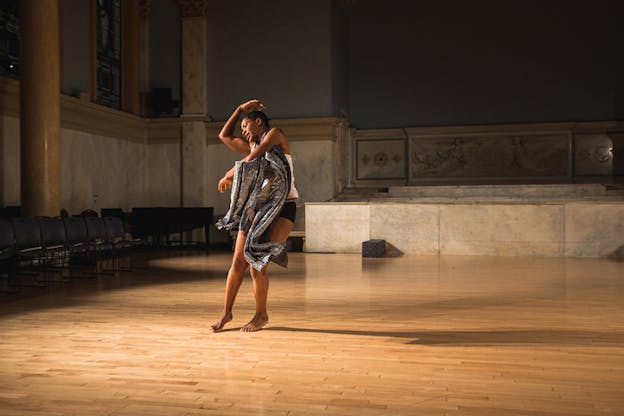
410, 335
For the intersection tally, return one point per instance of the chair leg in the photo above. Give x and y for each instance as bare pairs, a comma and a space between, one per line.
29, 267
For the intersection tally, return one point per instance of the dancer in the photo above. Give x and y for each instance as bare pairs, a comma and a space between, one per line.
262, 206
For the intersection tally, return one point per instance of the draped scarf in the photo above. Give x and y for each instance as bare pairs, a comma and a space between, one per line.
259, 190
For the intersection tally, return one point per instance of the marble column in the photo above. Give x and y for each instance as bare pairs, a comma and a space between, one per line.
40, 123
194, 103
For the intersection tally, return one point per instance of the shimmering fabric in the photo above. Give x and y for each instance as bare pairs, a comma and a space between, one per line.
259, 190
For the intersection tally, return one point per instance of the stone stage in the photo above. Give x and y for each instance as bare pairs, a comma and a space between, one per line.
570, 220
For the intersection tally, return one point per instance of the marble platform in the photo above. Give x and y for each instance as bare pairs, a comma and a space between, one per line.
546, 222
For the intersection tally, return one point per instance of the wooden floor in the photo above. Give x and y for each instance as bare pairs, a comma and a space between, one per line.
347, 336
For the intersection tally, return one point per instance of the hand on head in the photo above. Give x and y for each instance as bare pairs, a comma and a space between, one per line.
252, 105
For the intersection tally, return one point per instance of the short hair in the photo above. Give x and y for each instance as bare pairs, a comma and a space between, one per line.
254, 115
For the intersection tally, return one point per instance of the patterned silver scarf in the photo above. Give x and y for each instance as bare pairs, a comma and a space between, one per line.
259, 190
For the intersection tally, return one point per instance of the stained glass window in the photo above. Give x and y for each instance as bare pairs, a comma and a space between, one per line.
108, 72
9, 38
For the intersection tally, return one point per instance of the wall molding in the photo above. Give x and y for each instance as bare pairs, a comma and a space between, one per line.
83, 115
492, 130
504, 153
296, 129
77, 114
163, 130
80, 114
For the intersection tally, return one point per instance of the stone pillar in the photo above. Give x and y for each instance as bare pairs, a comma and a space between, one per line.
194, 103
193, 163
40, 122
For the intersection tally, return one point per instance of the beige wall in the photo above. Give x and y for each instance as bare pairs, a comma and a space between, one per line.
96, 171
532, 228
163, 175
111, 159
101, 172
219, 159
314, 169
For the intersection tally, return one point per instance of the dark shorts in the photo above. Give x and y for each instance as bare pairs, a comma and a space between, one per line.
289, 211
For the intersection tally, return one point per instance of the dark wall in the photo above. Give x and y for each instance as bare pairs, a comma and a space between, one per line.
164, 44
340, 58
391, 63
76, 38
275, 50
454, 62
619, 65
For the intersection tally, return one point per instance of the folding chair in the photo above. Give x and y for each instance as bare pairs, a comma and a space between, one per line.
122, 247
53, 240
99, 243
77, 245
29, 249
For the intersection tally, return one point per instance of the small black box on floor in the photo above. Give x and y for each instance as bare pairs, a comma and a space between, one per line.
294, 244
374, 248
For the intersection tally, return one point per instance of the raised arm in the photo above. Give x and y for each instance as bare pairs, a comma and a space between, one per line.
226, 135
275, 137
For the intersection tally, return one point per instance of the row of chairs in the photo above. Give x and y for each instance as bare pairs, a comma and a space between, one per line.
154, 224
47, 247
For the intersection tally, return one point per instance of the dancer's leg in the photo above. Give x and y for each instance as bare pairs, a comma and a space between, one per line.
279, 233
234, 280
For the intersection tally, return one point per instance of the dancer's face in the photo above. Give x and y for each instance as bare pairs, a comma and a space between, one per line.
252, 129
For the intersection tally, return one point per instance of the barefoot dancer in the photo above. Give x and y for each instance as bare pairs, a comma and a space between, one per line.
259, 141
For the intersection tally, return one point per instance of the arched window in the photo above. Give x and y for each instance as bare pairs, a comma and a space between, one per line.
108, 53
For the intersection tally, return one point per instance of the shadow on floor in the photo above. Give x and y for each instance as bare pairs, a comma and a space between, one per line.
76, 290
484, 337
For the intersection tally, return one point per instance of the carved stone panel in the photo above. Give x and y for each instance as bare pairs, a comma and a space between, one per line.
476, 158
380, 159
593, 154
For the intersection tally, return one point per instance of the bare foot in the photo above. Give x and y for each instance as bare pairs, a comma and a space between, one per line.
225, 318
256, 323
